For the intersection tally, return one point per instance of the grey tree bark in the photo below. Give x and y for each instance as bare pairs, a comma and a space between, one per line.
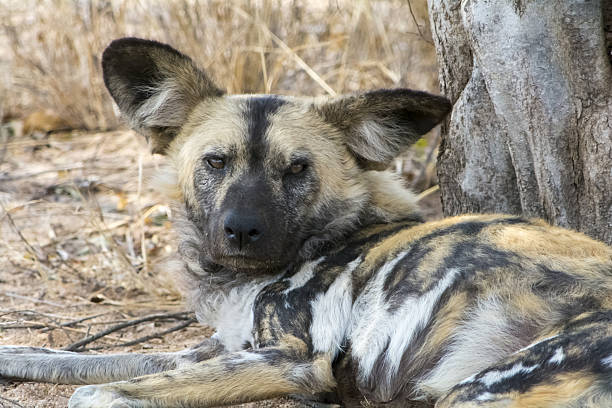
531, 127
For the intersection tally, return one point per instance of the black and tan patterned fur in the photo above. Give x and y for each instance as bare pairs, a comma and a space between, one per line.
320, 277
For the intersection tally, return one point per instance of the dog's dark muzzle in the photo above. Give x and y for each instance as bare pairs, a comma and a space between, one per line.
244, 232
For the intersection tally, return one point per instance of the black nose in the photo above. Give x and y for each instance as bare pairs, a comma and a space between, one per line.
242, 230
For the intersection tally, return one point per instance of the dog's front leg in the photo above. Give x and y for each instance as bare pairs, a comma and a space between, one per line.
231, 378
46, 365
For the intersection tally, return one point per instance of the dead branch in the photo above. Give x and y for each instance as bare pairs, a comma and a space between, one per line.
146, 338
77, 321
31, 324
78, 346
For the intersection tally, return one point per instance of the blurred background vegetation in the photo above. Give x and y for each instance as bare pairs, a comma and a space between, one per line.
51, 49
50, 60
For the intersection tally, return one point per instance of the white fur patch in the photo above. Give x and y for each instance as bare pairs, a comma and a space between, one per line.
375, 141
496, 376
374, 327
371, 328
233, 315
413, 315
469, 380
245, 357
95, 396
484, 338
305, 273
485, 396
376, 330
331, 312
558, 357
537, 342
165, 107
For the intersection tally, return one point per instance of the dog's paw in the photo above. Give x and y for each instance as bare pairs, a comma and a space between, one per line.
95, 396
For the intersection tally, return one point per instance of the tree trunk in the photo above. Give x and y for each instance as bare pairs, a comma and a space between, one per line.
531, 127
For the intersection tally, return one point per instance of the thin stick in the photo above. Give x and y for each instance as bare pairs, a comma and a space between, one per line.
124, 320
30, 324
4, 312
428, 192
146, 338
10, 401
19, 207
47, 326
5, 143
8, 325
417, 24
79, 344
77, 321
262, 60
280, 43
429, 157
143, 238
35, 252
38, 173
46, 302
66, 168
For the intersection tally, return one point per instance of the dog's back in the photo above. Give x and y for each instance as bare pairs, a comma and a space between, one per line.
410, 310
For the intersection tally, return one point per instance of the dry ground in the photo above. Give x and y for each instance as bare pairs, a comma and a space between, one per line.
75, 223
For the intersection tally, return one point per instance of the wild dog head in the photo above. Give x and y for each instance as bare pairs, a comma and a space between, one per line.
268, 178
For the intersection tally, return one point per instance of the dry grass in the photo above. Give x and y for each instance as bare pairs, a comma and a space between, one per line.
81, 232
281, 46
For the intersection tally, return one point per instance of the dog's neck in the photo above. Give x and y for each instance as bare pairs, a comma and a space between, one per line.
207, 285
224, 298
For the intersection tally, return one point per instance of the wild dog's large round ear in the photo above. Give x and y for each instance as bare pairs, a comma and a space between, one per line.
379, 125
155, 87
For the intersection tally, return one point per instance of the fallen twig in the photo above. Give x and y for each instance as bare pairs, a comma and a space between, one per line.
30, 324
4, 312
10, 401
78, 346
146, 338
31, 299
77, 321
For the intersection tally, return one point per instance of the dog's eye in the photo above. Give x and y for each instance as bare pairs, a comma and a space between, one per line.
216, 163
297, 168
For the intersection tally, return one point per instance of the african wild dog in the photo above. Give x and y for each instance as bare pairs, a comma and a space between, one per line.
319, 275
